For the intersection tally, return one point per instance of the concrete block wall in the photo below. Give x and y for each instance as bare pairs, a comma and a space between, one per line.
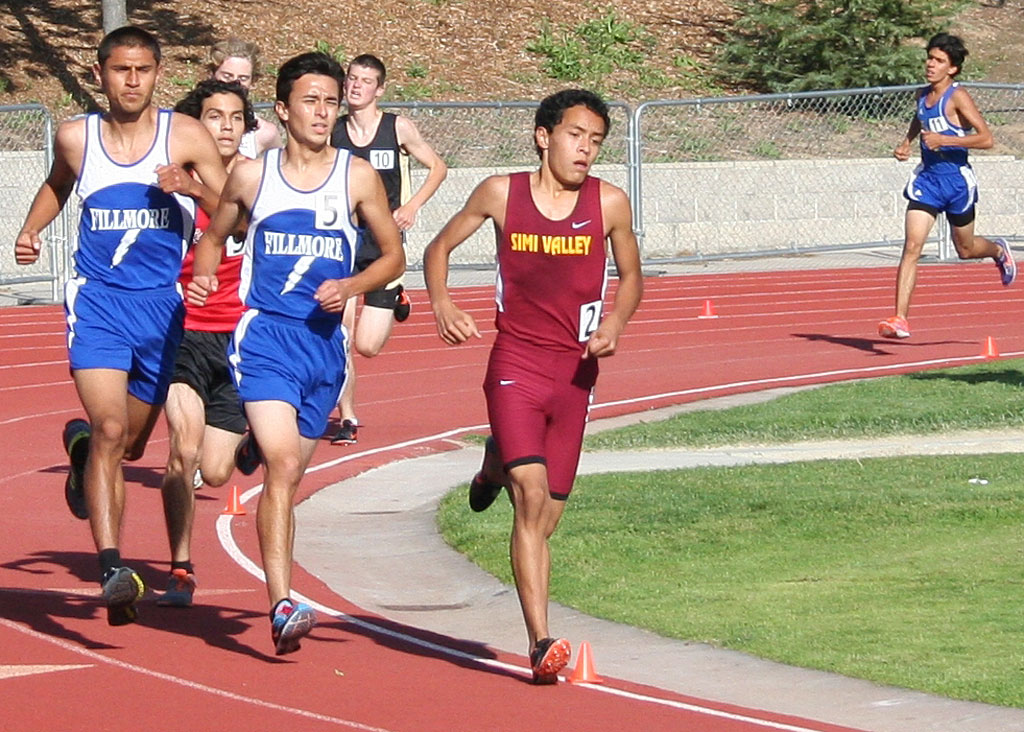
688, 208
723, 207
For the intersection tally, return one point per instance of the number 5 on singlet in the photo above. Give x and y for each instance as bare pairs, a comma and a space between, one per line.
328, 210
590, 317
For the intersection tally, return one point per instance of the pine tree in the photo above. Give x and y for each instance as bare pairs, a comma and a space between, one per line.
802, 45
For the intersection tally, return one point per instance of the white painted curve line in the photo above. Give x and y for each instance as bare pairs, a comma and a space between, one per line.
39, 415
230, 546
194, 685
776, 380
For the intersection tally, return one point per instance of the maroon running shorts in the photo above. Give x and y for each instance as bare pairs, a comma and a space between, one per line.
537, 402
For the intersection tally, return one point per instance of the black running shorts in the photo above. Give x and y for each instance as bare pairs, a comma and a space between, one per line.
202, 364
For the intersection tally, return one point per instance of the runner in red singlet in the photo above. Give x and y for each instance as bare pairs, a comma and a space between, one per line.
552, 226
204, 416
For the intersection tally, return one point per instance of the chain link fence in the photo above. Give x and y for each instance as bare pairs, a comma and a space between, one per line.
26, 144
760, 175
477, 140
709, 178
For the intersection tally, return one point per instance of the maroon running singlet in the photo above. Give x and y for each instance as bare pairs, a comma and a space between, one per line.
551, 274
550, 290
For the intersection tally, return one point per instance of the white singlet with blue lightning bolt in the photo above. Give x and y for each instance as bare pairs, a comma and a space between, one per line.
296, 241
132, 235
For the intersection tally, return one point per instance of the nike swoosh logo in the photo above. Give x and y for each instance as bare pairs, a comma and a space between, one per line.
506, 382
580, 224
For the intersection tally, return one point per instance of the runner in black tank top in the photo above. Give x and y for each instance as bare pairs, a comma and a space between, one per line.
385, 155
387, 141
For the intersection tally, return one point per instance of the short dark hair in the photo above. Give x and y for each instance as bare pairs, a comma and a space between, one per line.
952, 46
371, 62
307, 63
192, 103
130, 36
552, 108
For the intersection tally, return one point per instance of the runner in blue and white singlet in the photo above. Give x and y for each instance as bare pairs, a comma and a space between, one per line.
944, 180
288, 350
949, 125
132, 235
123, 308
296, 240
934, 119
132, 166
286, 347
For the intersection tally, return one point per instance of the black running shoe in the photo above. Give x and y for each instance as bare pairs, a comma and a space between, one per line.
482, 492
76, 445
404, 306
348, 434
247, 455
548, 658
122, 588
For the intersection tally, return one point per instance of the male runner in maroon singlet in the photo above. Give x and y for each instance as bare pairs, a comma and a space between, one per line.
551, 227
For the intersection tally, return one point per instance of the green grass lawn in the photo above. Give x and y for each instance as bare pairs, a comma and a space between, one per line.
973, 397
901, 571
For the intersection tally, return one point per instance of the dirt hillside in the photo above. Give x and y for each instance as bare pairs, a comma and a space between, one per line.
435, 49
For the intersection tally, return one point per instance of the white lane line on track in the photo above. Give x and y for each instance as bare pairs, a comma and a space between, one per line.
230, 546
187, 683
38, 415
44, 385
776, 380
60, 362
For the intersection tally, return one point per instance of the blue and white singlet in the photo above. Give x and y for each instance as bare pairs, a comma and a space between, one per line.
296, 241
934, 119
131, 235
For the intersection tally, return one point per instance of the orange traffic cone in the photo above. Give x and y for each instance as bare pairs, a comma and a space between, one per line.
584, 672
234, 508
708, 311
990, 349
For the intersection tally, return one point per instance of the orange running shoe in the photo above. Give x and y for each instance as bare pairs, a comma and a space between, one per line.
548, 658
404, 305
894, 327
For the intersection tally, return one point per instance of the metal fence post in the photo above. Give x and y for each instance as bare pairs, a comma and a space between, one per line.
26, 144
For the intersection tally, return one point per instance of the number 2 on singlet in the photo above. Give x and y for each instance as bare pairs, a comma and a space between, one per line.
590, 316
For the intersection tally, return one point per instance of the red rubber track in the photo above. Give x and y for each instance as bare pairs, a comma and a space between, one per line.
212, 666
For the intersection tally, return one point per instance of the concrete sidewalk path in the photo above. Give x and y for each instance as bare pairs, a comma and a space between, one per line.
374, 540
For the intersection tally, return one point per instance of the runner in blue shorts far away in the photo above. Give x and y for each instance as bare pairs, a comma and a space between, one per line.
949, 124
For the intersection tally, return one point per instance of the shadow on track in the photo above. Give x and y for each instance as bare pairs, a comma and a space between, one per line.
460, 652
872, 345
53, 611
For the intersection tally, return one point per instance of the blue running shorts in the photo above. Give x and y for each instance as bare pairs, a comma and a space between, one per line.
276, 358
953, 193
136, 331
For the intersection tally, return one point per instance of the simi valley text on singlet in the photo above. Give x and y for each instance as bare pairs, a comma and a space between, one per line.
551, 274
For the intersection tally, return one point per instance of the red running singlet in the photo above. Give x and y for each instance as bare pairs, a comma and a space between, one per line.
223, 308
